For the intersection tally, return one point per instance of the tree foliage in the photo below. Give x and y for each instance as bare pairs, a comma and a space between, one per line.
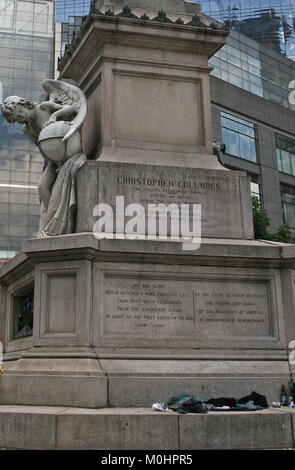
262, 223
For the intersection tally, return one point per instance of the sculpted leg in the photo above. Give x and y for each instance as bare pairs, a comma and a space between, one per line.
46, 182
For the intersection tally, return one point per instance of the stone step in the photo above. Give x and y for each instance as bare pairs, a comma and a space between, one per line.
60, 428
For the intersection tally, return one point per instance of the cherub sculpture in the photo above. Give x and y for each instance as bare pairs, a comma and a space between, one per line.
55, 127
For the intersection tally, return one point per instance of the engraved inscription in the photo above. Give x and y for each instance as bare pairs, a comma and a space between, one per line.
233, 307
149, 190
173, 307
141, 306
218, 193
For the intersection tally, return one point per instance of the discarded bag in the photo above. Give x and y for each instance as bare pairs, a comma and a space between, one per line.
258, 400
192, 404
222, 401
189, 406
177, 399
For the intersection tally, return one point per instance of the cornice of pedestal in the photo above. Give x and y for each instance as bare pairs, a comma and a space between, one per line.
236, 253
127, 29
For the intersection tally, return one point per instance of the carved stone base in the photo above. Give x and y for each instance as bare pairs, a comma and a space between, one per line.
128, 323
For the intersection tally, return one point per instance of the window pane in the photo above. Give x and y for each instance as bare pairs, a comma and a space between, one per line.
245, 147
286, 163
279, 160
253, 150
239, 137
285, 154
290, 214
244, 129
255, 190
6, 13
225, 138
223, 121
232, 124
292, 158
233, 143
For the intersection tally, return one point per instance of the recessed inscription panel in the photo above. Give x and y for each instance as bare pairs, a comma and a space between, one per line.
147, 307
236, 308
218, 193
164, 106
192, 309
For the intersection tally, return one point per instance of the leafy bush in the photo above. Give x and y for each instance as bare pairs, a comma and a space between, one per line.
262, 222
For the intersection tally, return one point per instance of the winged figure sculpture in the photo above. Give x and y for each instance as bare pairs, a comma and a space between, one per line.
55, 127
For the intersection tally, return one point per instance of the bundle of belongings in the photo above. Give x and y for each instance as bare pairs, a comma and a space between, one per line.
192, 404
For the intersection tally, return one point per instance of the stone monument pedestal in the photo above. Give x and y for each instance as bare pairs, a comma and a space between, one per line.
120, 322
128, 323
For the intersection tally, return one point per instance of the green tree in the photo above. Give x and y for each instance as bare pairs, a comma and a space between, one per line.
262, 222
282, 235
260, 219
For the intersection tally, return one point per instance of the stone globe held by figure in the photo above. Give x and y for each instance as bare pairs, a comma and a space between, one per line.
52, 143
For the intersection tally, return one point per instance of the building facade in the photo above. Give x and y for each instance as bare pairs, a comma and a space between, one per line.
260, 139
253, 115
251, 106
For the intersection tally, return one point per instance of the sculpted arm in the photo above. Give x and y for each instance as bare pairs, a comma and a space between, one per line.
59, 111
72, 101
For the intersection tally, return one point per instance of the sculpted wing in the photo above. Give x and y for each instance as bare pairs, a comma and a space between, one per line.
67, 94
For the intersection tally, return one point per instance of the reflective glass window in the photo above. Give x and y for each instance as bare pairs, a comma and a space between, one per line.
256, 68
255, 188
270, 22
288, 204
285, 154
6, 14
239, 136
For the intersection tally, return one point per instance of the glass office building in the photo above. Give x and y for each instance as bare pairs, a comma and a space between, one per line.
26, 58
71, 8
269, 22
69, 14
262, 40
247, 64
